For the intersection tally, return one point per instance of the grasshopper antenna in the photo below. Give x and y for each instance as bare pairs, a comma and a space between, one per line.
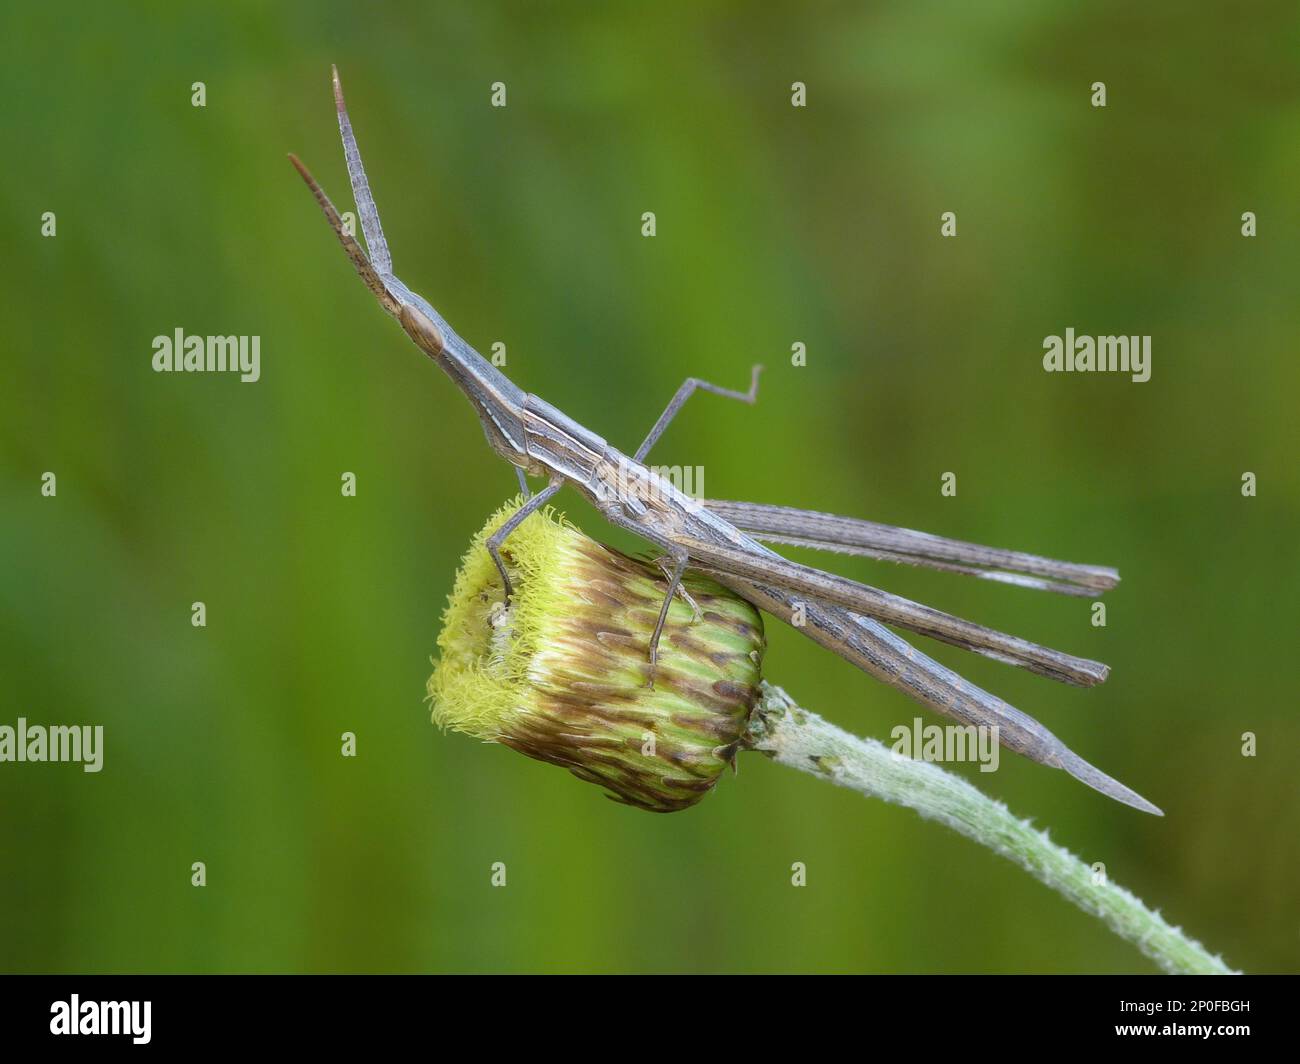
355, 252
366, 209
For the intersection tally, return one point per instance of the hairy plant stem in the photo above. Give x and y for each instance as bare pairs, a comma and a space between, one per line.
791, 735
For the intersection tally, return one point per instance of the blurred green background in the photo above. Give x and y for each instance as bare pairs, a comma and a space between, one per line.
522, 225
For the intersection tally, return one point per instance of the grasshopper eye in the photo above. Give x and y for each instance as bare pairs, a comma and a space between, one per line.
420, 329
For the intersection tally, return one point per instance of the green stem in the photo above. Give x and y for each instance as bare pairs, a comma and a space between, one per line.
793, 736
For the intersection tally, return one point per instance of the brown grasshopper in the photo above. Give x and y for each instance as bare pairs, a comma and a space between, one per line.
722, 537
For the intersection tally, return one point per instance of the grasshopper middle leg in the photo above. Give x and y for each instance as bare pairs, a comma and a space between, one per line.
685, 392
679, 560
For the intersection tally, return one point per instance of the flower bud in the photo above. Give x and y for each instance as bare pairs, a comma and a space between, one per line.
563, 673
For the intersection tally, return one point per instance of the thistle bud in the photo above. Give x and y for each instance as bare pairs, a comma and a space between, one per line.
562, 673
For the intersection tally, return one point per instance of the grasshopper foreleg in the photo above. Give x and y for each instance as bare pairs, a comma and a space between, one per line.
498, 537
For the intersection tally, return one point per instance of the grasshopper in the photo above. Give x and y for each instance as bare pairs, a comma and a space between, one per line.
723, 538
